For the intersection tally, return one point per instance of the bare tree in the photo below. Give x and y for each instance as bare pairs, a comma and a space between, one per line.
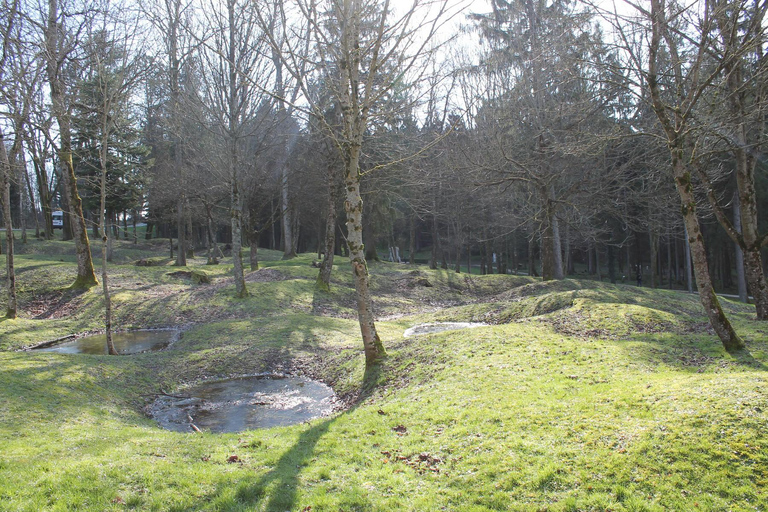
234, 61
115, 66
676, 82
8, 20
365, 52
737, 44
60, 43
172, 20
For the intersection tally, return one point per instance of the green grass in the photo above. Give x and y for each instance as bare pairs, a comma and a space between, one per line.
578, 396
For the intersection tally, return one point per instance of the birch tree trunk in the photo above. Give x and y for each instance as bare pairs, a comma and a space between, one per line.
374, 349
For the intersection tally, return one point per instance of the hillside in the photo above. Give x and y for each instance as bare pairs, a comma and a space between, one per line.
577, 395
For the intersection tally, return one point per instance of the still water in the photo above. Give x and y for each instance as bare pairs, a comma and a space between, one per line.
131, 342
244, 403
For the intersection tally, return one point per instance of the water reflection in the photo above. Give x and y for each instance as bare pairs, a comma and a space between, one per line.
131, 342
244, 403
439, 327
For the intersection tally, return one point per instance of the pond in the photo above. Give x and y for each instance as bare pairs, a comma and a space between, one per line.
126, 343
244, 403
434, 327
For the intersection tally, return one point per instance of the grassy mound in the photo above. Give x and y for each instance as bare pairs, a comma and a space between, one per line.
576, 396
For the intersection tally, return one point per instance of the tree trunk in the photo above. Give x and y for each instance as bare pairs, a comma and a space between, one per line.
412, 240
669, 262
688, 269
210, 258
326, 267
86, 277
654, 241
104, 278
532, 257
236, 214
289, 215
551, 264
597, 262
749, 135
720, 323
5, 183
611, 263
374, 349
433, 252
677, 261
110, 246
469, 258
557, 247
253, 256
45, 196
675, 129
568, 252
22, 178
31, 195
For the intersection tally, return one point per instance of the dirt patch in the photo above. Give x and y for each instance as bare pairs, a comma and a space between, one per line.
266, 275
53, 305
420, 462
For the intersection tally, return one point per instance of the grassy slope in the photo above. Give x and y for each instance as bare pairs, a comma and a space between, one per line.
581, 396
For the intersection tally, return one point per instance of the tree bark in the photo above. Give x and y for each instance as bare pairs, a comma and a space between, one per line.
374, 349
557, 247
104, 248
675, 129
720, 323
746, 101
326, 267
5, 183
654, 242
236, 210
412, 240
174, 14
31, 195
21, 177
86, 276
45, 195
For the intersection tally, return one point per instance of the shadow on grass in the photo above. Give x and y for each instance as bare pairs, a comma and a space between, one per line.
689, 353
57, 300
277, 490
746, 359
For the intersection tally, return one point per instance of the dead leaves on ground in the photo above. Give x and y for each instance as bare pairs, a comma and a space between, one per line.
420, 462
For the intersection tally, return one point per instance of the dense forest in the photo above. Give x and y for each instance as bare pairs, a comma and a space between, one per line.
544, 137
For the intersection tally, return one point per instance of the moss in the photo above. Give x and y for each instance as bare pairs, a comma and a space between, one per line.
200, 277
322, 286
84, 283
